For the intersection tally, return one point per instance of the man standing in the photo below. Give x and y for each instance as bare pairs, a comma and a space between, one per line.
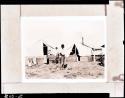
62, 55
57, 55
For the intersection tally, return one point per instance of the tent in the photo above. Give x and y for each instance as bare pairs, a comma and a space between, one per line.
34, 50
38, 49
81, 50
42, 47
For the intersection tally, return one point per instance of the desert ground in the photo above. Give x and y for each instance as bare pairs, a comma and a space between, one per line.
74, 70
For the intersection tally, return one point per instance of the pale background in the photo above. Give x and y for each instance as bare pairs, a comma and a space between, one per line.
67, 30
11, 48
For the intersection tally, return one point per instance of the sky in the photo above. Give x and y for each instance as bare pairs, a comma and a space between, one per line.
59, 30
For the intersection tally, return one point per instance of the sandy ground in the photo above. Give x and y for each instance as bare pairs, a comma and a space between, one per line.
74, 70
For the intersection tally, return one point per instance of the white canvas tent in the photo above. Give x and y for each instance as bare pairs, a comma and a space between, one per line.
84, 50
37, 48
34, 50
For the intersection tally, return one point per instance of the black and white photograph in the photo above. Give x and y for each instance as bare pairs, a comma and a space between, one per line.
63, 48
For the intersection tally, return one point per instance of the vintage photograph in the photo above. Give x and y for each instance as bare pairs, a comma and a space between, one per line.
63, 47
